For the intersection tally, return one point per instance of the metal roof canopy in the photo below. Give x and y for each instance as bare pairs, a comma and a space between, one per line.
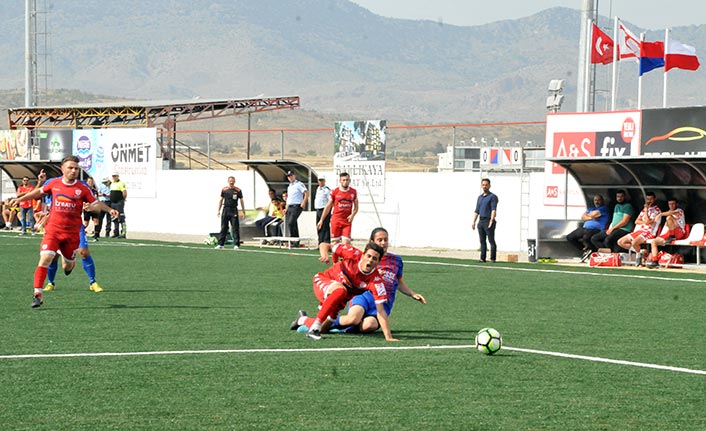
159, 114
274, 172
17, 169
681, 177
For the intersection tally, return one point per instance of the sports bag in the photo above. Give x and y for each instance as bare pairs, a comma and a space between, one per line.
605, 259
668, 260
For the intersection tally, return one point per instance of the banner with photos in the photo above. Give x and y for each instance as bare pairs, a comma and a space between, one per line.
359, 150
14, 145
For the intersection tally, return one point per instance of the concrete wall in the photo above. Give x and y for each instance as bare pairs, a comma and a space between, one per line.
420, 209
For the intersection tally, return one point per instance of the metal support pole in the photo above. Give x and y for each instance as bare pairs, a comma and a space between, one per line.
248, 149
208, 149
453, 149
281, 151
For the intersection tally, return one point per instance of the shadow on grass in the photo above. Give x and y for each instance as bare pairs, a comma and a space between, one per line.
157, 307
138, 307
440, 334
160, 291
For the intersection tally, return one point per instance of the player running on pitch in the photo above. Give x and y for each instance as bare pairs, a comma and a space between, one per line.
63, 227
343, 206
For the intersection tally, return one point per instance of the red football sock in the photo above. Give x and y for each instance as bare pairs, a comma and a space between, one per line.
40, 274
332, 305
308, 322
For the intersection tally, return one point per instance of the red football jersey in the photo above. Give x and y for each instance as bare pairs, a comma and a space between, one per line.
67, 204
25, 189
347, 272
343, 202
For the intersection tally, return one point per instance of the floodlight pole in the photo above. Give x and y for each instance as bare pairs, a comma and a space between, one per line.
29, 53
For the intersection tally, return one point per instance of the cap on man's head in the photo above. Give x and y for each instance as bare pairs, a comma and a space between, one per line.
322, 179
105, 180
116, 174
290, 173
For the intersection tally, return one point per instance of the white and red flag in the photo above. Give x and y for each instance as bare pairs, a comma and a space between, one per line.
628, 43
680, 56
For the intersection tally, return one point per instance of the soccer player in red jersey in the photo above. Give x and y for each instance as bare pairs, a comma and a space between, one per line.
355, 273
362, 312
343, 206
63, 227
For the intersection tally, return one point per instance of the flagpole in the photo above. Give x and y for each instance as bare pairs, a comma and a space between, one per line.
587, 65
666, 48
615, 62
639, 79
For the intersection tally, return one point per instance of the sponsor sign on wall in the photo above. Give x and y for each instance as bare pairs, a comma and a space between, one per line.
674, 132
593, 135
359, 150
131, 153
605, 135
54, 144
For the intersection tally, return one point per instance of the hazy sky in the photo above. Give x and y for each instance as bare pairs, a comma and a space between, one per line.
644, 13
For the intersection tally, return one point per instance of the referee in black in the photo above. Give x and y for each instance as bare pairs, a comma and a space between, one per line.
228, 211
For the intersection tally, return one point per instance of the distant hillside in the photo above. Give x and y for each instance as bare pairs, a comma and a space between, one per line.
337, 56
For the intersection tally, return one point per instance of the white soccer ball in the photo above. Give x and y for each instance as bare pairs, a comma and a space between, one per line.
210, 240
488, 341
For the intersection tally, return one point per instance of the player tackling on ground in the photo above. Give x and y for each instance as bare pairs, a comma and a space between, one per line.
63, 227
355, 273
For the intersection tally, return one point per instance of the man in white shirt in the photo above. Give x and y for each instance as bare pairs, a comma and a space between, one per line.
297, 197
323, 194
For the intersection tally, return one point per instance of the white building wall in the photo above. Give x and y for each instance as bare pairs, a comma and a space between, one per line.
420, 209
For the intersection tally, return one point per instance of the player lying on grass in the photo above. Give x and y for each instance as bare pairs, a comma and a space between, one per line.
354, 273
362, 311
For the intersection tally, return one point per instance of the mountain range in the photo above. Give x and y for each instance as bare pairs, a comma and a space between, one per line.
337, 56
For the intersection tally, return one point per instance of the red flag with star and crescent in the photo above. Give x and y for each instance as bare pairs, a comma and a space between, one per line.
601, 47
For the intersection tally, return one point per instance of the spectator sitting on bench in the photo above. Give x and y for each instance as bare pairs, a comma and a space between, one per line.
269, 224
9, 214
621, 225
675, 224
646, 226
595, 220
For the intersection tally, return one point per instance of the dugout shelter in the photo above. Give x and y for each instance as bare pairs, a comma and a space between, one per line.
658, 150
274, 173
15, 170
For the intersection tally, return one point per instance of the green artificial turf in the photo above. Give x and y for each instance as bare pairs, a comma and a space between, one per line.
220, 319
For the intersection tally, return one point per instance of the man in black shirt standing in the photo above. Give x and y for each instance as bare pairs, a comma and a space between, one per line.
486, 208
228, 211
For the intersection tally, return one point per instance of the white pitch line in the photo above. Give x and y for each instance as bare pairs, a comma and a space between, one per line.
499, 267
609, 361
200, 352
355, 349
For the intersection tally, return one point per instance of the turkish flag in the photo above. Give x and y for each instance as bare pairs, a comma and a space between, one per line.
601, 47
